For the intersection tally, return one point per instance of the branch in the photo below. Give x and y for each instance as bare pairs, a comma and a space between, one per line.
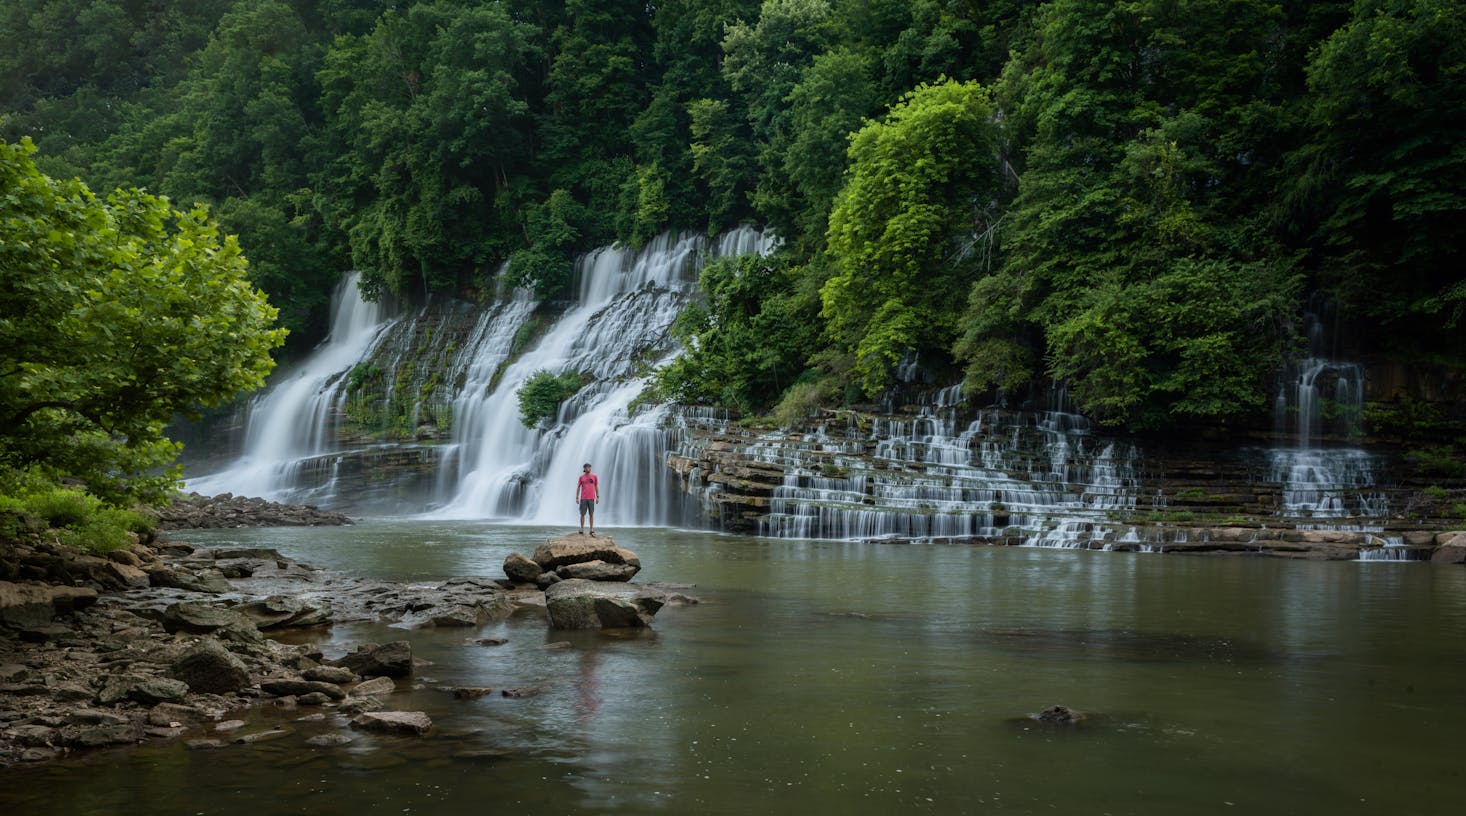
12, 424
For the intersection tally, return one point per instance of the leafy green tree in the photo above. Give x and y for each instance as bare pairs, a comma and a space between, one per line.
428, 112
920, 194
723, 159
1145, 150
115, 315
762, 62
830, 103
748, 341
541, 395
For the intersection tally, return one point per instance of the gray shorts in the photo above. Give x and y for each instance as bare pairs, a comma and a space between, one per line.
587, 506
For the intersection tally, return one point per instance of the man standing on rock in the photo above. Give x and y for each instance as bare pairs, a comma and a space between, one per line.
587, 495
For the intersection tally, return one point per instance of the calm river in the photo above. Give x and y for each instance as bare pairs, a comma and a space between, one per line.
837, 678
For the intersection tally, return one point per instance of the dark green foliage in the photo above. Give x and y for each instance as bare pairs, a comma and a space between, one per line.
1138, 211
115, 315
1384, 173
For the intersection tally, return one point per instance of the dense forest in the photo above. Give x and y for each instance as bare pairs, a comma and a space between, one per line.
1136, 199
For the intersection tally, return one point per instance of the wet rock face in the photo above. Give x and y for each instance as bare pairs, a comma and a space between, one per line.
392, 660
211, 668
414, 723
1060, 715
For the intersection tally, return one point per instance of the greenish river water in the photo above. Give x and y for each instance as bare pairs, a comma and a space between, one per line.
822, 677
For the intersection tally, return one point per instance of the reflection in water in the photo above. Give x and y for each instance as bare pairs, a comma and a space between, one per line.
822, 677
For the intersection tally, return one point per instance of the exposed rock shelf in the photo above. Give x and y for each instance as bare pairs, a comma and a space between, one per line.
195, 512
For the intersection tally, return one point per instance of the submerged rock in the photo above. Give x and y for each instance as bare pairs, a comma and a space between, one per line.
1060, 715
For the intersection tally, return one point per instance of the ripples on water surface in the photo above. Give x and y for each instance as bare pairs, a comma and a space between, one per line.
823, 677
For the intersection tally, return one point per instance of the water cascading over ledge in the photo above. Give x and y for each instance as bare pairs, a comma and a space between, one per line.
1320, 397
1030, 478
419, 413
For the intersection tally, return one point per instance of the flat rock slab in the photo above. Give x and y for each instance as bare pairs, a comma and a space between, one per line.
415, 723
576, 549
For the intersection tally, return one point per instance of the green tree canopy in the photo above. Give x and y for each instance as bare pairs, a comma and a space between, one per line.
115, 315
919, 198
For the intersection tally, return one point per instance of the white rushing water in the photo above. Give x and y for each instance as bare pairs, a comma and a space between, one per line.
612, 334
1324, 482
1039, 479
289, 424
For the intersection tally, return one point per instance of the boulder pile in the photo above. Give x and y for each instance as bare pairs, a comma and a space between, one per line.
586, 583
162, 640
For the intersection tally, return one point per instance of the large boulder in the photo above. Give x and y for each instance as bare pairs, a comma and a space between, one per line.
25, 605
210, 668
576, 603
1451, 548
575, 549
201, 619
370, 660
280, 611
521, 570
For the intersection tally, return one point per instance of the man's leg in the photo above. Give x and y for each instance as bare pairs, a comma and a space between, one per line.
592, 519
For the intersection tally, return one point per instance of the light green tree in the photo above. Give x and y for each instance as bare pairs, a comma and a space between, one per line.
115, 315
919, 197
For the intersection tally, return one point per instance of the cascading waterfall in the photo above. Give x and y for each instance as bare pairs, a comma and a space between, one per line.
1323, 483
288, 426
302, 433
1039, 480
616, 328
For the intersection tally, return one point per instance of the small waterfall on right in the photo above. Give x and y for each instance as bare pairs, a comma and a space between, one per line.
1318, 398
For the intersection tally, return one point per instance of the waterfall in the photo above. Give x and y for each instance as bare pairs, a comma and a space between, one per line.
1319, 396
288, 426
1034, 479
613, 333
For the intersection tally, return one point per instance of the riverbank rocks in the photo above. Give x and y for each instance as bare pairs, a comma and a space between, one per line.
211, 668
37, 604
194, 512
576, 603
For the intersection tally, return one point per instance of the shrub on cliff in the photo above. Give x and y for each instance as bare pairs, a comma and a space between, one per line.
542, 393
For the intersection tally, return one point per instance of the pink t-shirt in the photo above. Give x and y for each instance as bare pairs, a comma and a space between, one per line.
589, 486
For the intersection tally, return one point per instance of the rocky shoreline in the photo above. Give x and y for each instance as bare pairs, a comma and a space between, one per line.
163, 640
194, 511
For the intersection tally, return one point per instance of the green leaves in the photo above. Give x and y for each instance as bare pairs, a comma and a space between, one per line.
921, 185
748, 342
117, 315
541, 395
